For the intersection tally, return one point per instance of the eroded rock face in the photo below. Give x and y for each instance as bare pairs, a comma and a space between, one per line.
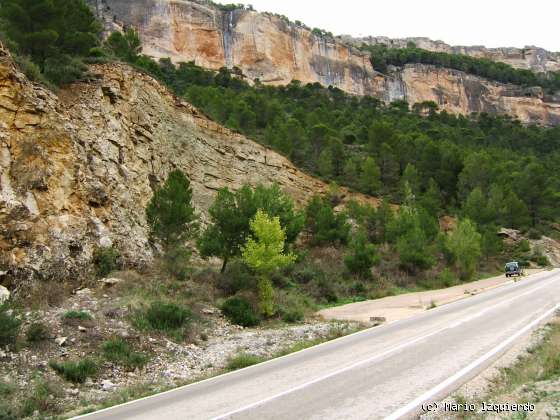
77, 169
462, 93
267, 48
529, 58
263, 46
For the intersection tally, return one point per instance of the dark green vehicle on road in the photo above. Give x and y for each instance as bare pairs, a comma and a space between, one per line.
513, 269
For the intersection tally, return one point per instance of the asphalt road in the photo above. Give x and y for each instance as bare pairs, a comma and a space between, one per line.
384, 372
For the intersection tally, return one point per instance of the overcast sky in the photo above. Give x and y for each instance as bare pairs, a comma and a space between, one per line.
493, 23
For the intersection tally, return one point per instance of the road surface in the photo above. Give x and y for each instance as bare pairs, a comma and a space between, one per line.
384, 372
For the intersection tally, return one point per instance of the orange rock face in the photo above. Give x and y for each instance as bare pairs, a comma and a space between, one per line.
267, 48
262, 45
461, 93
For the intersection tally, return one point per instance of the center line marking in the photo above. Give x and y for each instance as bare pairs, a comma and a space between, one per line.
449, 381
373, 358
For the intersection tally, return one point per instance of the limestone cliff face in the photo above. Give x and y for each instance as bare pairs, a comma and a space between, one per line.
461, 93
77, 169
265, 47
529, 58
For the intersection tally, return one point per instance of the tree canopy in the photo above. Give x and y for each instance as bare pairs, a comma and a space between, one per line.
231, 214
54, 34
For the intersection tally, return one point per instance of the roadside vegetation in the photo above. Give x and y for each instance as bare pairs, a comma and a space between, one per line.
533, 378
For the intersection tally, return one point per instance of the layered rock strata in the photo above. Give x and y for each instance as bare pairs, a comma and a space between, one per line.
78, 168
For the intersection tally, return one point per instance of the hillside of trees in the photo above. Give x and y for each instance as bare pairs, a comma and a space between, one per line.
486, 171
493, 169
383, 56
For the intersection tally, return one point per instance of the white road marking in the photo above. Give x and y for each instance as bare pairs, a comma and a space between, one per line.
372, 358
449, 381
309, 349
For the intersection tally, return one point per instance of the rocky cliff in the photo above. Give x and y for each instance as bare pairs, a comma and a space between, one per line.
77, 168
462, 93
263, 46
529, 58
268, 48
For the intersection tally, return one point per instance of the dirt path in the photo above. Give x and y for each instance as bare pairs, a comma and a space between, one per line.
393, 308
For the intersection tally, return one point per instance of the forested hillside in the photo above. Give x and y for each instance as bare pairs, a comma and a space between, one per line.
457, 162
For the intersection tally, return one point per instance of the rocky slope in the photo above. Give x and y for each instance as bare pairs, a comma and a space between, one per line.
530, 57
77, 169
268, 48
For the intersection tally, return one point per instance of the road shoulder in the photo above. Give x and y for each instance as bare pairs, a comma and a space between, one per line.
394, 308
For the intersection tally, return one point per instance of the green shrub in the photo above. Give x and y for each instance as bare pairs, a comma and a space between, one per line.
293, 315
361, 256
6, 388
240, 311
523, 262
79, 315
176, 262
9, 326
105, 260
447, 278
119, 351
237, 277
524, 246
169, 318
64, 69
358, 289
36, 332
242, 360
327, 290
41, 399
76, 372
291, 306
306, 273
325, 225
540, 260
7, 413
30, 69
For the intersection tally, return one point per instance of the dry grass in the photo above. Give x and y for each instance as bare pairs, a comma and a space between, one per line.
541, 364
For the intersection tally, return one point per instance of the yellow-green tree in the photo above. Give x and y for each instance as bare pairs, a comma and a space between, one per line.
263, 252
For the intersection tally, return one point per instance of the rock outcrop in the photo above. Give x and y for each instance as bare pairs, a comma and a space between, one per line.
78, 168
529, 58
268, 48
462, 93
263, 46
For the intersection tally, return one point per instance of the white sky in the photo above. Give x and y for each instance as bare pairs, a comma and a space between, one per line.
493, 23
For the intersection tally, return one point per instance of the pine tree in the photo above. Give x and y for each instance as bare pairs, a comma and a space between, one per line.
126, 46
55, 34
231, 213
370, 182
361, 255
170, 214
